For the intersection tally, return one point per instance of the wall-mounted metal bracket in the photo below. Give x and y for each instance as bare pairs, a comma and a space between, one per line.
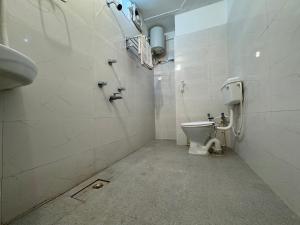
120, 89
111, 61
101, 84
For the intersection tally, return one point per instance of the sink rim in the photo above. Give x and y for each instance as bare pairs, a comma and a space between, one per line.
26, 59
16, 68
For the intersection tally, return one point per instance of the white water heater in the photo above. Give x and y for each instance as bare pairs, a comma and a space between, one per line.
157, 40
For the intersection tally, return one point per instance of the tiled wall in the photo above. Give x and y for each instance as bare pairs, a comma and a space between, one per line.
62, 129
210, 15
165, 116
164, 84
201, 62
264, 49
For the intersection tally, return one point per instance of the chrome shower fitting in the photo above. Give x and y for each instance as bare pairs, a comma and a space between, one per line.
114, 97
119, 6
120, 89
111, 61
101, 84
210, 117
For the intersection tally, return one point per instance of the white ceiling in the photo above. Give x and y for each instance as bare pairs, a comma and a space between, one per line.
153, 8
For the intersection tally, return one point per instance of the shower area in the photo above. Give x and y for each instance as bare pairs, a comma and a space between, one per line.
96, 136
62, 129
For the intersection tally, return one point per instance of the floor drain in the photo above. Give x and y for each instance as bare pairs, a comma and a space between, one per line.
82, 194
98, 185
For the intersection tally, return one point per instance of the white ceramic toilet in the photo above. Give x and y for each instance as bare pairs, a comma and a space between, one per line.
199, 134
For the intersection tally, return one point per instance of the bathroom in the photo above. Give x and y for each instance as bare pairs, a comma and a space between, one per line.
150, 112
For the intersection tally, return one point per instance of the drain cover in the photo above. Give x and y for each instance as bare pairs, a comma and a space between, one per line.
98, 185
83, 193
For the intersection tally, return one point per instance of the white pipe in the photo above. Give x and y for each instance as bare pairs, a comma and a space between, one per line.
204, 150
230, 122
238, 132
212, 141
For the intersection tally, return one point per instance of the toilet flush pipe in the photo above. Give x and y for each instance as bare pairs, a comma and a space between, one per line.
212, 141
230, 122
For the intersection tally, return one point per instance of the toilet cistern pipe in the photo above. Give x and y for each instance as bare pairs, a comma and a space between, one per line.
214, 141
230, 122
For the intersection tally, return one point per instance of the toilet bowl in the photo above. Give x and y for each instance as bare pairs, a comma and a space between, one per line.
199, 134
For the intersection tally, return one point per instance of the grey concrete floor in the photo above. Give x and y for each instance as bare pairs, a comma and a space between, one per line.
161, 184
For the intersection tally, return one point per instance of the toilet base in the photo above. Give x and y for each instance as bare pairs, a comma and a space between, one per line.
197, 149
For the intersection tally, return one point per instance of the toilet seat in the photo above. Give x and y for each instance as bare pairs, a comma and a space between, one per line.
198, 124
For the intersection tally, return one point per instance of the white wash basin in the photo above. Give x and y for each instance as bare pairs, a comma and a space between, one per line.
16, 69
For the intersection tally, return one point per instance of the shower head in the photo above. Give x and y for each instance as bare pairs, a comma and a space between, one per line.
109, 2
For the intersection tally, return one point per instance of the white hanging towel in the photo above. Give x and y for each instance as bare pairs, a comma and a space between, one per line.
145, 52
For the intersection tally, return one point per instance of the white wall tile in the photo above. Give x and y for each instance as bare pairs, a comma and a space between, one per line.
27, 189
30, 144
164, 84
